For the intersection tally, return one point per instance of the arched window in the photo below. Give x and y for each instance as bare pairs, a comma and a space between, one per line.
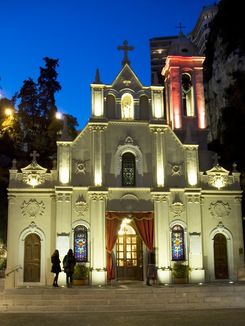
110, 107
81, 243
144, 107
128, 169
127, 107
177, 242
187, 96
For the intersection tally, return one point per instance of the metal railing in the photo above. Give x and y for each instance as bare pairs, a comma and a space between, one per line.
15, 269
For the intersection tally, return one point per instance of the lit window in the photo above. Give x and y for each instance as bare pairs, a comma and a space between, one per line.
177, 241
128, 170
81, 243
127, 107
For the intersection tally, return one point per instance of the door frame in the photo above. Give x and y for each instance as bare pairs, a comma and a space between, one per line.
20, 275
138, 238
230, 259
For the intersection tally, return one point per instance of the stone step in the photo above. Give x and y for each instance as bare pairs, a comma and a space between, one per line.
106, 299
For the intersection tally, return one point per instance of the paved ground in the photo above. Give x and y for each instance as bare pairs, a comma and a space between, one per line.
227, 317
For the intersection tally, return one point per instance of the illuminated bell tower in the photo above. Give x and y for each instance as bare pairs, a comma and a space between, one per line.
185, 106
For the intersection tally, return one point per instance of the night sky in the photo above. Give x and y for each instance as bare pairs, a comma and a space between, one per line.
84, 35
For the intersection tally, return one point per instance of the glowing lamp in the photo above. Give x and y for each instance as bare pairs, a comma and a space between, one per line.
8, 112
59, 115
219, 182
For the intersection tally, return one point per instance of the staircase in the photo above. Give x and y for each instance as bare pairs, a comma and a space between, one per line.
124, 298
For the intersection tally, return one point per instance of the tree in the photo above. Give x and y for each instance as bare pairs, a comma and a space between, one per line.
37, 113
29, 115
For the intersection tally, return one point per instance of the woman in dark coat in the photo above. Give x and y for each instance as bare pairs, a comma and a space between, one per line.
69, 262
55, 260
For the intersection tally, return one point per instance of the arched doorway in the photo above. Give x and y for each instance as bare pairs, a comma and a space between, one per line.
32, 256
129, 255
220, 257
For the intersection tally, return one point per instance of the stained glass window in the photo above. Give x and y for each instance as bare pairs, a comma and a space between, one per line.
128, 170
81, 243
178, 246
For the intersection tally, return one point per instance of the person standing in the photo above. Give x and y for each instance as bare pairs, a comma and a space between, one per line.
69, 262
55, 260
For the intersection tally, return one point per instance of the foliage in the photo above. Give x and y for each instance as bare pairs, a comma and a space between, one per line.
180, 270
37, 114
3, 263
81, 272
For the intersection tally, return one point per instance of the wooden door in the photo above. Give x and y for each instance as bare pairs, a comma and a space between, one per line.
32, 258
129, 257
220, 257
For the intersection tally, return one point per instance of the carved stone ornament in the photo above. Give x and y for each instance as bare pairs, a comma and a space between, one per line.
219, 209
32, 208
176, 168
80, 166
218, 177
80, 206
34, 174
177, 208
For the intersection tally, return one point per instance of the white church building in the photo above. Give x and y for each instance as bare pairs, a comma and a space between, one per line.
138, 177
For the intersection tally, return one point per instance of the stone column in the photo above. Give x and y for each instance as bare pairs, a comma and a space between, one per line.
192, 164
98, 246
193, 211
161, 228
157, 102
97, 100
159, 151
11, 279
63, 224
199, 96
176, 97
64, 161
98, 153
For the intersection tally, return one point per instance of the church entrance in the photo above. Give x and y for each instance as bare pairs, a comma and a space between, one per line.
129, 255
220, 257
32, 258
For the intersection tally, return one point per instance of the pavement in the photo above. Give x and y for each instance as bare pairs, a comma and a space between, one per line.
220, 317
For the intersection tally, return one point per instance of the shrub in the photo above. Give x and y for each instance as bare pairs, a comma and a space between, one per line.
80, 272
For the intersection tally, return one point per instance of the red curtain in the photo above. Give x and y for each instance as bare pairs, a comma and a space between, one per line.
145, 227
112, 227
144, 223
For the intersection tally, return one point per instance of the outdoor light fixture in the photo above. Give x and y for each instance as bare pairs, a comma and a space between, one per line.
8, 112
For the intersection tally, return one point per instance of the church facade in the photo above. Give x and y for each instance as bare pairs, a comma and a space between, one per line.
137, 178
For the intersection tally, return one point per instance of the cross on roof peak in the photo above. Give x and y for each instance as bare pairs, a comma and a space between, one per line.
180, 27
125, 47
34, 156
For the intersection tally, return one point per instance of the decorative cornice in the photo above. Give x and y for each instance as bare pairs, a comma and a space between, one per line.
98, 196
160, 197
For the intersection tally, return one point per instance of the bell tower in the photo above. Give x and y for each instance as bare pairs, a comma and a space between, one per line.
183, 72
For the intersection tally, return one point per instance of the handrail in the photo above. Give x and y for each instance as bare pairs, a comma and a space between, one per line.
15, 269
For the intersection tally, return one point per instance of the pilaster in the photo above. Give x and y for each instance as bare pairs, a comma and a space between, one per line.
159, 151
194, 221
199, 97
98, 246
98, 145
161, 228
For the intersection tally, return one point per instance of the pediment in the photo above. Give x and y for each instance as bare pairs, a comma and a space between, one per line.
127, 79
